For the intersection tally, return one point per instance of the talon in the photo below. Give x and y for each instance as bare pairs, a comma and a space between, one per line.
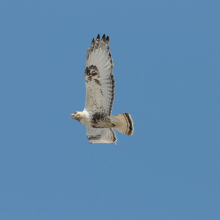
111, 125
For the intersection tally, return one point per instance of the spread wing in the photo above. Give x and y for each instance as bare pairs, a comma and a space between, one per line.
99, 79
101, 135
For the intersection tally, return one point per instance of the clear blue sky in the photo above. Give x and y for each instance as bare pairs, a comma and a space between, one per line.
167, 72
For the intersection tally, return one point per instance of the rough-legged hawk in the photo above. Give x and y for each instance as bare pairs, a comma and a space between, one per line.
100, 85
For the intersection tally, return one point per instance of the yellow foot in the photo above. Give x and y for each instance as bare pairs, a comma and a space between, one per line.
111, 125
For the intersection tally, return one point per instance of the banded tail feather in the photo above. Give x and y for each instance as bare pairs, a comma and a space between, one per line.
123, 123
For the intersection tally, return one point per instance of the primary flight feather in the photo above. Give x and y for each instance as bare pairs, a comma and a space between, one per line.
100, 86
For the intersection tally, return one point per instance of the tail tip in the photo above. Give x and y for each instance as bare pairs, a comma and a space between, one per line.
130, 130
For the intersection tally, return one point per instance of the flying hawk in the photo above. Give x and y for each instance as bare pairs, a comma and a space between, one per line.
100, 85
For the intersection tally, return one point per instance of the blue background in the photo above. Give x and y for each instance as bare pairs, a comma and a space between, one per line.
167, 72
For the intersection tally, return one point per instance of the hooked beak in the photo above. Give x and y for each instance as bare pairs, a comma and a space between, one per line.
73, 115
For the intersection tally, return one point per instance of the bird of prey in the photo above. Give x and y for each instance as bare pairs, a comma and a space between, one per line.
100, 86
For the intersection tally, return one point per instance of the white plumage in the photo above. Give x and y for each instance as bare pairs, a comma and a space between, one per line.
100, 85
100, 90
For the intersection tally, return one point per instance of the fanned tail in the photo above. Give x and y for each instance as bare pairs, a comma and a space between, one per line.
123, 123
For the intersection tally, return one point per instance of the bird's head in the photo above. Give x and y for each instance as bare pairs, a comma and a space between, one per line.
77, 116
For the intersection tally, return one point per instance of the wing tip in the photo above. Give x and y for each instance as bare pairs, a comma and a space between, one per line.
103, 38
97, 40
95, 43
107, 39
